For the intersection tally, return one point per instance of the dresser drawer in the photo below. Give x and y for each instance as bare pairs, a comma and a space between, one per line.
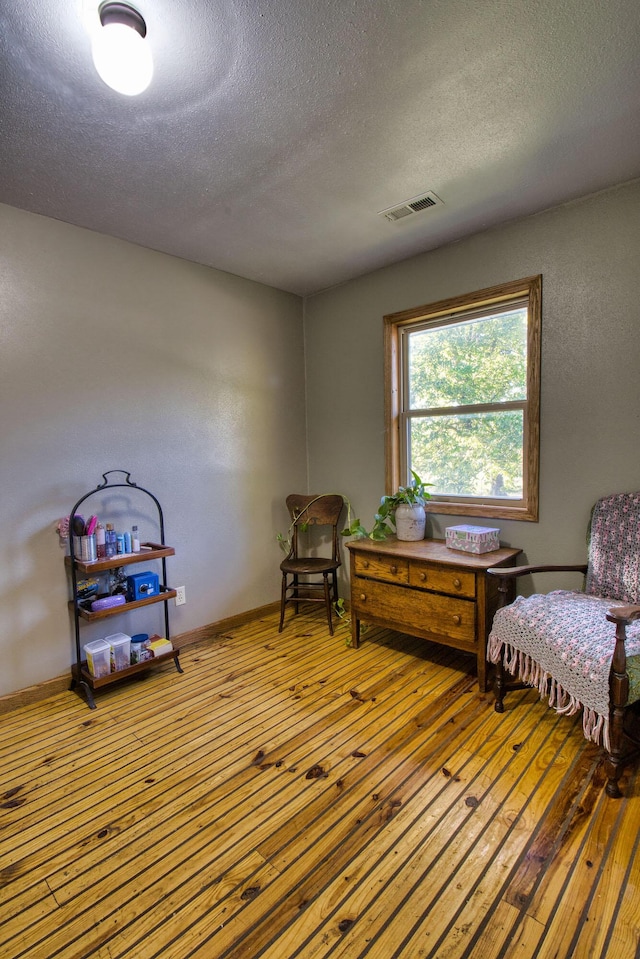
391, 569
457, 582
416, 611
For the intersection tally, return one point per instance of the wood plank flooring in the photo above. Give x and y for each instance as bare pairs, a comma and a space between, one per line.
288, 796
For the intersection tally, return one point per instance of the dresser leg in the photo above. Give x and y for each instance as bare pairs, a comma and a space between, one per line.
355, 631
482, 673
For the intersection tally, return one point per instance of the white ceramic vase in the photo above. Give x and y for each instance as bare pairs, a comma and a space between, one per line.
410, 522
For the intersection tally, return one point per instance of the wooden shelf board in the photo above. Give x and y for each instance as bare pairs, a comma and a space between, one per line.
163, 596
151, 551
94, 683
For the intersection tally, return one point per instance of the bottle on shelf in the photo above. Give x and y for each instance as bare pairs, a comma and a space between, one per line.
101, 549
111, 543
127, 541
135, 540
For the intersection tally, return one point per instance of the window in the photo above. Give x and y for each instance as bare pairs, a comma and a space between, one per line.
462, 389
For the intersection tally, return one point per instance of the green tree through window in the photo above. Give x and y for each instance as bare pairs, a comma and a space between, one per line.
463, 400
468, 366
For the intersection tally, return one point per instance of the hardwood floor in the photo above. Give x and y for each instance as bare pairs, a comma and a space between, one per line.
288, 796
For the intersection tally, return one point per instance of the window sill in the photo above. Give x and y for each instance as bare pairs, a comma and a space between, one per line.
486, 511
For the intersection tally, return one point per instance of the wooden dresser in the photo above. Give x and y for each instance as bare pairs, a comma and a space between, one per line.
426, 589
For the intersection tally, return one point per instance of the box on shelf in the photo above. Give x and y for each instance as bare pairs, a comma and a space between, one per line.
159, 645
98, 658
472, 539
119, 651
142, 585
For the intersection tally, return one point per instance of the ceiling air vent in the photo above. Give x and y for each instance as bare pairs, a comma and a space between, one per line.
415, 205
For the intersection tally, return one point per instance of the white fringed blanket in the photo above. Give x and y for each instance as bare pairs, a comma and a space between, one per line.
562, 644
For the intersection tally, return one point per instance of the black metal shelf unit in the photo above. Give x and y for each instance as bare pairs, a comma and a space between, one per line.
81, 678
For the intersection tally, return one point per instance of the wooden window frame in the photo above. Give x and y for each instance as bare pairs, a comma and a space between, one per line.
529, 288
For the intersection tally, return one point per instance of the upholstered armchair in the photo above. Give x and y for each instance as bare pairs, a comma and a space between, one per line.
581, 649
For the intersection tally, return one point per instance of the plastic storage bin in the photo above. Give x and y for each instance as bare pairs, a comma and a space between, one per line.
120, 651
98, 658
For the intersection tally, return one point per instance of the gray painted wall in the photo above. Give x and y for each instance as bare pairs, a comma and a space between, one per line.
587, 253
113, 356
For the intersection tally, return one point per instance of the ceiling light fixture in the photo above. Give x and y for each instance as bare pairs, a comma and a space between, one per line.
120, 53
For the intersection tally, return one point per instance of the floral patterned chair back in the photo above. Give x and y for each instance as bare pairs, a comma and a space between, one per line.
614, 548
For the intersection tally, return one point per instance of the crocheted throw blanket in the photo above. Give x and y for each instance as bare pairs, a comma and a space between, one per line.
562, 644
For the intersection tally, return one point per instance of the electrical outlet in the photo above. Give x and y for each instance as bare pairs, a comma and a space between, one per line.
181, 596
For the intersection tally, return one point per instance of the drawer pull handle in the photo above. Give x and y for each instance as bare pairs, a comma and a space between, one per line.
365, 564
423, 577
457, 583
394, 570
363, 597
457, 619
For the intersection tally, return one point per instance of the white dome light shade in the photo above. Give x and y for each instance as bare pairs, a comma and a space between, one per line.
121, 55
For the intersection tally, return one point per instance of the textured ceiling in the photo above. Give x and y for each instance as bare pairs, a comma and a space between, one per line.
275, 130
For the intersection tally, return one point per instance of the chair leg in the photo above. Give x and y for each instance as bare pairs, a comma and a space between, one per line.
499, 685
613, 767
618, 698
295, 594
614, 762
335, 586
327, 601
283, 599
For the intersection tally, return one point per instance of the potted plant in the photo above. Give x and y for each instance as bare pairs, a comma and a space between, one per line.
402, 512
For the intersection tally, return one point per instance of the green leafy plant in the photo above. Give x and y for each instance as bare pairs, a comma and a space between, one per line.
415, 494
344, 619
